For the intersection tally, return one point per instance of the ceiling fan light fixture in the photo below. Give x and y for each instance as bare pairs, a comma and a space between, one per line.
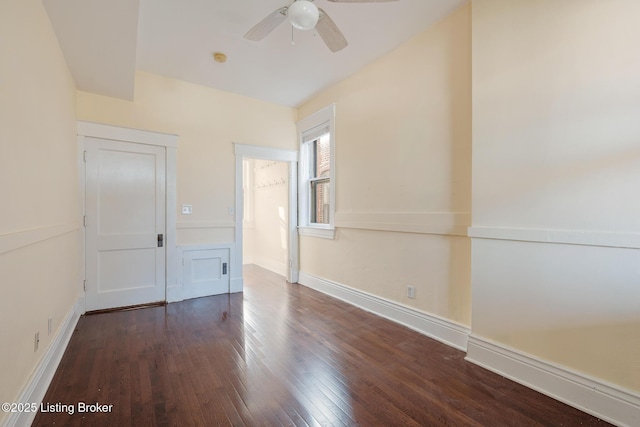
303, 15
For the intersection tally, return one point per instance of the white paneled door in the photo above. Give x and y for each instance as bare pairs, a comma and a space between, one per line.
125, 223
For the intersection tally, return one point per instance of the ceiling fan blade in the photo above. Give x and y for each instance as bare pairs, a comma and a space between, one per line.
268, 24
330, 33
361, 1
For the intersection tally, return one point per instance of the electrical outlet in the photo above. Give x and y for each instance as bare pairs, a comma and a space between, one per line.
411, 291
36, 342
49, 324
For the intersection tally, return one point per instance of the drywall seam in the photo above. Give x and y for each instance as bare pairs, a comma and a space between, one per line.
12, 241
442, 223
569, 237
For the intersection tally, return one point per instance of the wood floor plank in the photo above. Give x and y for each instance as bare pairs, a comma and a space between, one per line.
280, 355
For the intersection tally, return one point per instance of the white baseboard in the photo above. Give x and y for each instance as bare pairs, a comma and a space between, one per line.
590, 395
174, 294
443, 330
273, 266
39, 382
236, 284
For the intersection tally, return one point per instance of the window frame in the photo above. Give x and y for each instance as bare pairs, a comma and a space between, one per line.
309, 125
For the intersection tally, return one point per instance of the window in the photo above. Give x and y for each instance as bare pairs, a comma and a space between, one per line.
320, 179
317, 174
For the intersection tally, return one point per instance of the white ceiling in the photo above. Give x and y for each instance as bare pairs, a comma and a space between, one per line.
105, 41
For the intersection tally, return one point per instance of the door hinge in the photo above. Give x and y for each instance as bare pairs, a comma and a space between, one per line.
84, 156
84, 220
84, 284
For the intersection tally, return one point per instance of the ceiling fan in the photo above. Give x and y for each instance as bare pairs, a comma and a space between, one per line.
304, 15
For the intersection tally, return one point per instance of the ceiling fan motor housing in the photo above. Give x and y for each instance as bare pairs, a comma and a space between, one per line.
303, 15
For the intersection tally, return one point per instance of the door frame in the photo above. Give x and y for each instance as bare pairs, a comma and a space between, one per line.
136, 136
243, 151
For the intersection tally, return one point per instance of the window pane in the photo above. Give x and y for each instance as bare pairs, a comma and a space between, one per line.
322, 156
320, 191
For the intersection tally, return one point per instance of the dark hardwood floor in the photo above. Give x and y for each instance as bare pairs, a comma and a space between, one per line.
279, 354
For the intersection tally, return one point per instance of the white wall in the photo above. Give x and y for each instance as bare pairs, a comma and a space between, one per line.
556, 173
39, 217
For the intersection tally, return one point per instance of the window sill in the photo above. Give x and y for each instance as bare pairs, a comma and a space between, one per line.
324, 233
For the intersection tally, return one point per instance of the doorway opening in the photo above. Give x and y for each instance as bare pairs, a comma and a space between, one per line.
267, 188
266, 214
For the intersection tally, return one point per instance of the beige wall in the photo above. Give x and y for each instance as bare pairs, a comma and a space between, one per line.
38, 191
208, 122
556, 159
555, 154
403, 160
267, 211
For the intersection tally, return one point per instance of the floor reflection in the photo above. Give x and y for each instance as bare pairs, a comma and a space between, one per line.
279, 354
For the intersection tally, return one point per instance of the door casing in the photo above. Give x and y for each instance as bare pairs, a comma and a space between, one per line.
170, 142
243, 151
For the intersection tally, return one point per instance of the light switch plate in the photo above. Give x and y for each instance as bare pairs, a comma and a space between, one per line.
187, 209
